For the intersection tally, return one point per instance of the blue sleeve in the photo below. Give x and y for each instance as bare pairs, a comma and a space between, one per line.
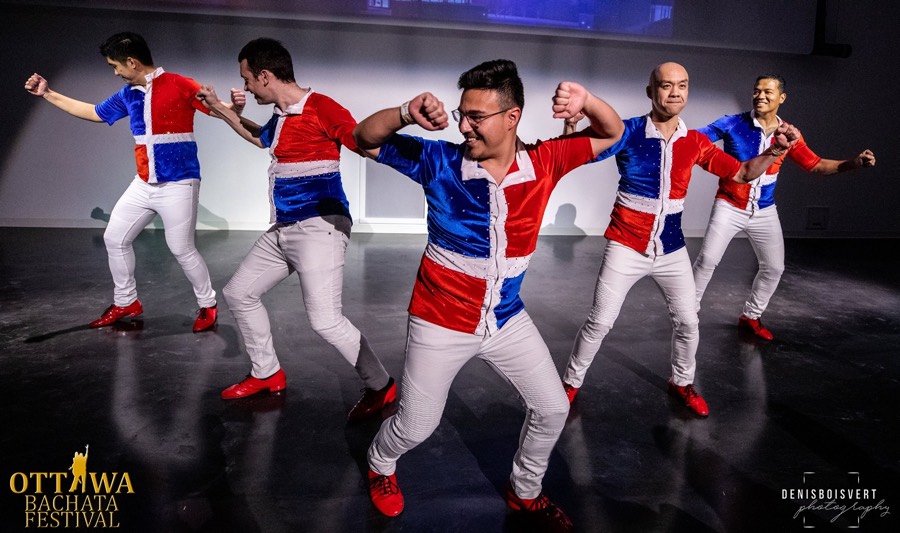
620, 144
267, 131
717, 130
414, 157
113, 108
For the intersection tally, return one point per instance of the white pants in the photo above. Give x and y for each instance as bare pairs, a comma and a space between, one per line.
314, 249
623, 267
176, 204
764, 230
434, 355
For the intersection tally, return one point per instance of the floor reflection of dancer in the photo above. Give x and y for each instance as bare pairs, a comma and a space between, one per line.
161, 108
750, 207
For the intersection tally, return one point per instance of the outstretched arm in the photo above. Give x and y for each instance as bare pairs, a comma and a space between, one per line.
571, 99
786, 136
247, 129
38, 86
832, 166
425, 110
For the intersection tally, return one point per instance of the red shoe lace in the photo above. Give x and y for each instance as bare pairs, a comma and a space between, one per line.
541, 502
384, 485
689, 393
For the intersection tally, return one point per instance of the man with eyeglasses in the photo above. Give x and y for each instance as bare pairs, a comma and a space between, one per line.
486, 199
655, 158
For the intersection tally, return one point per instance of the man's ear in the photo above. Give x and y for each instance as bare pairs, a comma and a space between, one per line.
515, 114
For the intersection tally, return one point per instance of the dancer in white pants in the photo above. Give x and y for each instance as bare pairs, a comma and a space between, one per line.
655, 158
751, 207
161, 108
311, 228
486, 198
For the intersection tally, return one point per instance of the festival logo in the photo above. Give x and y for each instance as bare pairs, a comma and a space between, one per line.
71, 499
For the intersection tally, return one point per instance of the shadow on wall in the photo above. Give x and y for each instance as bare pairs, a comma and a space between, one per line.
564, 225
204, 216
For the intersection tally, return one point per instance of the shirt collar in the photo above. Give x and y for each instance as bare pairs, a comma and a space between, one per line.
296, 109
470, 169
155, 74
149, 77
651, 132
756, 123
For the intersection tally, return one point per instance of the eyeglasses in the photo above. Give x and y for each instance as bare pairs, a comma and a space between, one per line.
474, 120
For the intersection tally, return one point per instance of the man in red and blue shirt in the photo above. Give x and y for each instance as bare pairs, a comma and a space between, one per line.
311, 224
750, 207
486, 199
161, 107
655, 158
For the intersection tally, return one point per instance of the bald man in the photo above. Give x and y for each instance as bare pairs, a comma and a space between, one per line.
655, 157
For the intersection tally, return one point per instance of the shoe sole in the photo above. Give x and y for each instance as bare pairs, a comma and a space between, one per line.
270, 390
749, 332
213, 327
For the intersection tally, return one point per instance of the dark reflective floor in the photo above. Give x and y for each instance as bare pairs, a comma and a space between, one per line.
815, 409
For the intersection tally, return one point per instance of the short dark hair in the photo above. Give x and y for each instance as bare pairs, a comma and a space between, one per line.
499, 75
127, 44
268, 54
775, 77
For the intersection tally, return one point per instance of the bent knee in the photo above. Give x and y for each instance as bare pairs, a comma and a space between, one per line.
236, 295
552, 418
594, 331
184, 252
328, 327
114, 240
772, 270
706, 263
686, 322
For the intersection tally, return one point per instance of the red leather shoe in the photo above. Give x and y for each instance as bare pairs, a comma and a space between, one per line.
373, 401
385, 493
252, 385
691, 398
114, 313
755, 327
570, 391
541, 511
206, 318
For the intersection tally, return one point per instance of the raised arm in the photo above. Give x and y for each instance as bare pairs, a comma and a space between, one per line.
425, 110
37, 85
832, 166
571, 99
247, 129
785, 137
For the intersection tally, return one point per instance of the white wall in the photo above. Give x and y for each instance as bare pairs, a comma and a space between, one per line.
55, 170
